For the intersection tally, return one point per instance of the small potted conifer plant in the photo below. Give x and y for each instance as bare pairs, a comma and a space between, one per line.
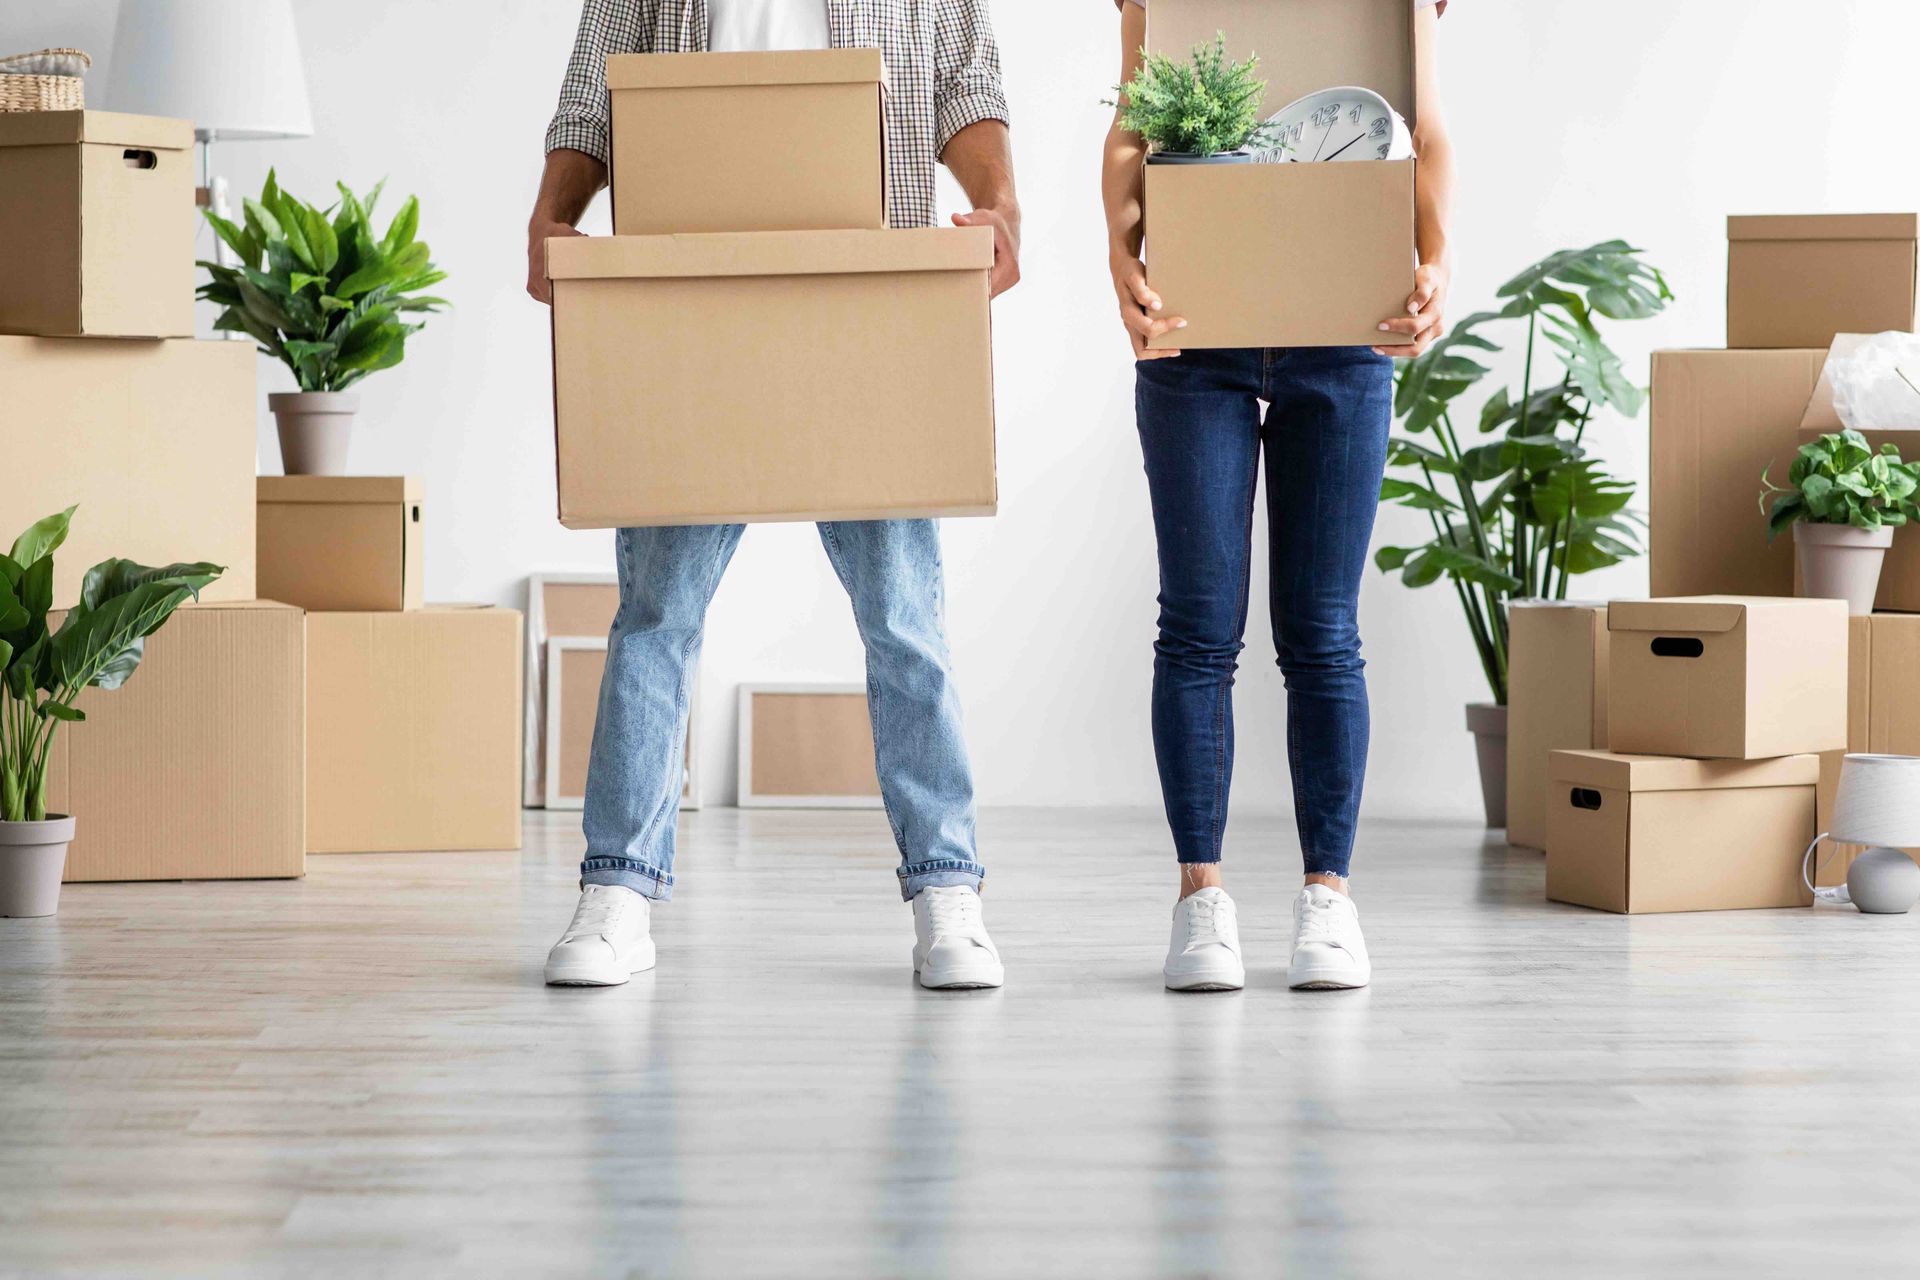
43, 670
1843, 502
322, 294
1203, 111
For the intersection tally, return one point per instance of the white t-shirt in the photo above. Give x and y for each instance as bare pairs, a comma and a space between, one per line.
735, 26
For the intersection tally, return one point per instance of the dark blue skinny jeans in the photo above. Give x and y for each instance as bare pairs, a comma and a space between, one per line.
1325, 440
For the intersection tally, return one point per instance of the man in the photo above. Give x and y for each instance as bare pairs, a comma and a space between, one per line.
945, 102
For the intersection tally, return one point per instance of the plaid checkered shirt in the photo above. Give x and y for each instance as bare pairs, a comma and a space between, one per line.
943, 69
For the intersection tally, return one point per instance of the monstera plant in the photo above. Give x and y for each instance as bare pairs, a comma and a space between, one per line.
1527, 508
325, 295
44, 669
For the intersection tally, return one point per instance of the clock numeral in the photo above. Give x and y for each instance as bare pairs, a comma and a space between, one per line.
1380, 128
1386, 149
1295, 133
1353, 116
1327, 116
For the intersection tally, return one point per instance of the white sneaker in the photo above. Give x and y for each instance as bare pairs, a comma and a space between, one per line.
1204, 953
607, 942
1328, 951
950, 943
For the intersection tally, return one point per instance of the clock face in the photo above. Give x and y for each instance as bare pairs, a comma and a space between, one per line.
1347, 123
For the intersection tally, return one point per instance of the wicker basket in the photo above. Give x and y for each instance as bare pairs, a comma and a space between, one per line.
49, 80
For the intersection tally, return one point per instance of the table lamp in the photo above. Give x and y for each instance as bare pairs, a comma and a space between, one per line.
1878, 804
231, 66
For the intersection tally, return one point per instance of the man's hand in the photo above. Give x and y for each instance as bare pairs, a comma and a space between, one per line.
1426, 317
1006, 245
1140, 309
539, 288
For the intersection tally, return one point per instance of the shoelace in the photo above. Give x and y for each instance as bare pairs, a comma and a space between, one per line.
955, 913
598, 913
1204, 920
1321, 919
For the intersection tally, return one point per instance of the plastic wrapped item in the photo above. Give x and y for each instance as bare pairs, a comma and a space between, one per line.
1877, 385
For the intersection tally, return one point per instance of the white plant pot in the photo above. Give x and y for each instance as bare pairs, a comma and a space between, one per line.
316, 428
1840, 562
1488, 723
33, 856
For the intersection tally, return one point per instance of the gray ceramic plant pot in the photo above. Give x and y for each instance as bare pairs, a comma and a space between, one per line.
316, 428
1840, 562
33, 856
1187, 157
1489, 725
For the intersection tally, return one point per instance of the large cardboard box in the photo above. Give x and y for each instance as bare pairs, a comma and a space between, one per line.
1796, 281
1900, 572
1830, 866
792, 375
1719, 419
1556, 701
1727, 677
153, 440
1287, 255
342, 543
96, 224
1644, 833
195, 769
413, 730
788, 141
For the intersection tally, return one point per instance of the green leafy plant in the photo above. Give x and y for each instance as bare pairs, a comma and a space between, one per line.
1202, 107
1839, 479
1522, 514
317, 289
97, 645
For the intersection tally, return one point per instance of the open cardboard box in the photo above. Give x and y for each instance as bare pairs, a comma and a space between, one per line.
1900, 574
781, 141
1287, 255
773, 375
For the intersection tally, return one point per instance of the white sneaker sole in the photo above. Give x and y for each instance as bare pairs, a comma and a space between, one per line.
960, 977
1328, 978
1211, 980
612, 973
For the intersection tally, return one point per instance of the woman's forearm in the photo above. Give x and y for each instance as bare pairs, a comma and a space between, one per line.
1121, 191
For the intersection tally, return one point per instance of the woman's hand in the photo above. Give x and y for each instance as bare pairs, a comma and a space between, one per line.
1426, 317
1140, 309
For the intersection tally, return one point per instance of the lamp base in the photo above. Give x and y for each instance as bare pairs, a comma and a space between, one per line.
1884, 882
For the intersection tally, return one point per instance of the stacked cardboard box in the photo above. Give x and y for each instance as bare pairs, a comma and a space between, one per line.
412, 711
196, 769
765, 218
1718, 708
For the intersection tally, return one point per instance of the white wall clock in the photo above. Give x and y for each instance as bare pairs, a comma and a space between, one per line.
1344, 123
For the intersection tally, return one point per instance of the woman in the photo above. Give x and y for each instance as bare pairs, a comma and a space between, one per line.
1325, 440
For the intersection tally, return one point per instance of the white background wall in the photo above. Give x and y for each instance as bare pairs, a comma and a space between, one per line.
1576, 120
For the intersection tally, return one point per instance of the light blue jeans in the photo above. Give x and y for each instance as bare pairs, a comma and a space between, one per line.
892, 571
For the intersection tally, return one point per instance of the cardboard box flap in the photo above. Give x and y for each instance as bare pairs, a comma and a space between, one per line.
1304, 45
1822, 414
1691, 615
1829, 226
745, 70
771, 253
109, 128
1606, 770
341, 489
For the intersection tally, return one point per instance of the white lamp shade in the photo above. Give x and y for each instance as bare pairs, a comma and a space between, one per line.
231, 66
1878, 801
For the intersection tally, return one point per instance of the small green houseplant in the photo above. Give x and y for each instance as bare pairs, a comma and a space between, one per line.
1206, 109
43, 671
1843, 501
323, 294
1520, 515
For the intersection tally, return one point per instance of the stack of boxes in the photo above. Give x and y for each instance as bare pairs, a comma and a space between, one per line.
1800, 291
753, 343
196, 769
412, 709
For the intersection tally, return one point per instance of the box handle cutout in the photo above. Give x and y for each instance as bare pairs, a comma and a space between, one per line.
414, 514
1585, 798
135, 158
1677, 647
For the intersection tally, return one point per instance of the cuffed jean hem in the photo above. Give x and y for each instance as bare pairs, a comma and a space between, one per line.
648, 882
941, 873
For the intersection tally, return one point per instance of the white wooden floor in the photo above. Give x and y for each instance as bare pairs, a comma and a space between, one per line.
360, 1074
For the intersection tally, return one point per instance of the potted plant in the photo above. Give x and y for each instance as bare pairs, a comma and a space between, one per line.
1843, 502
1523, 513
1206, 111
326, 297
98, 644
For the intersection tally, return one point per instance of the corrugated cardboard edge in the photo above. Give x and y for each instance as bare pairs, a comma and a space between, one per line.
106, 128
746, 70
1823, 226
771, 253
1614, 771
341, 489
